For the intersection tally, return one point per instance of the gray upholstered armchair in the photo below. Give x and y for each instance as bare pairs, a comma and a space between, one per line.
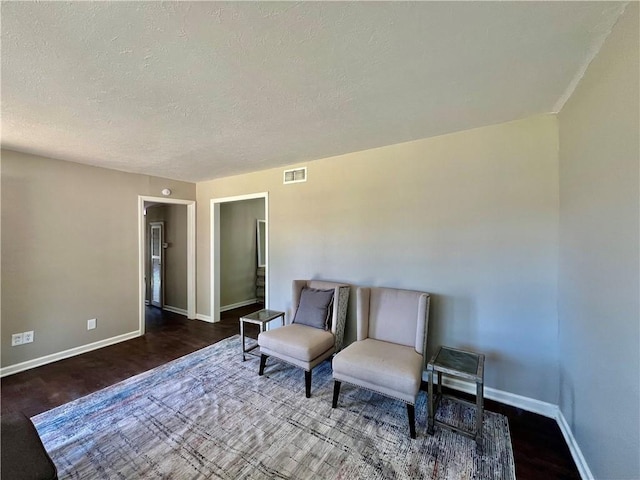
316, 330
388, 356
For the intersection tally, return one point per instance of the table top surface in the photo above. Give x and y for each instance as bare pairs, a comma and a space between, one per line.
454, 360
263, 315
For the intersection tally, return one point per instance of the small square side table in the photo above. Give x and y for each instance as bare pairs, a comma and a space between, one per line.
461, 364
260, 318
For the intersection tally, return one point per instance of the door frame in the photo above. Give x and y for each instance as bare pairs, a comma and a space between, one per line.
191, 254
214, 254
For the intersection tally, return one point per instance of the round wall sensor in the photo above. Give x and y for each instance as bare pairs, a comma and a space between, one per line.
166, 192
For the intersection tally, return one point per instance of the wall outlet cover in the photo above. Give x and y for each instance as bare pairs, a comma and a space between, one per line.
91, 324
27, 337
16, 339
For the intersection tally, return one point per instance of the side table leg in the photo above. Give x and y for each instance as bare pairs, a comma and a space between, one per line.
430, 429
242, 339
479, 414
263, 328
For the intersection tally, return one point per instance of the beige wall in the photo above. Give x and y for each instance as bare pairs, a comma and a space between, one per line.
599, 285
175, 262
69, 252
238, 250
471, 217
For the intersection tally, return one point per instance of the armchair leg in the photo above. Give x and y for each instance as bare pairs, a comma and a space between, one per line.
336, 393
307, 383
411, 413
263, 362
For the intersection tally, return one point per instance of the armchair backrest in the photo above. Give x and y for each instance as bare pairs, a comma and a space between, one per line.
340, 304
393, 315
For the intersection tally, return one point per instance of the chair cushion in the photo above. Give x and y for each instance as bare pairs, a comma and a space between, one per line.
314, 308
385, 367
300, 342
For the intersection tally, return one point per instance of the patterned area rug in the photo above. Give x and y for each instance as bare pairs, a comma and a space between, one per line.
209, 415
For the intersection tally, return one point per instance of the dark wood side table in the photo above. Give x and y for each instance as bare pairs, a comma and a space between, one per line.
260, 318
464, 365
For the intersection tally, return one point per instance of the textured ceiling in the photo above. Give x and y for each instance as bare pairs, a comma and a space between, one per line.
198, 90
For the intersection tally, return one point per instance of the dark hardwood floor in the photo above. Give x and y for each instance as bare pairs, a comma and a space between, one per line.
539, 447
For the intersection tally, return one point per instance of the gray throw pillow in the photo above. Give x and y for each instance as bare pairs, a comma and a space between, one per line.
315, 308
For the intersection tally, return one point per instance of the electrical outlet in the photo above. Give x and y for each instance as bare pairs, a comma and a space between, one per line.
16, 339
27, 337
91, 324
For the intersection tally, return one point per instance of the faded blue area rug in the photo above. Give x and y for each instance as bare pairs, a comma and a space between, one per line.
209, 415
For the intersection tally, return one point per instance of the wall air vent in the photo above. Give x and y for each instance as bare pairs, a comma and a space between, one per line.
295, 175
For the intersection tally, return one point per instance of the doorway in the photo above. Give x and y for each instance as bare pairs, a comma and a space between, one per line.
216, 265
156, 264
152, 266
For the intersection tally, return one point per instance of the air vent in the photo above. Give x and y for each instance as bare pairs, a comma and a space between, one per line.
296, 175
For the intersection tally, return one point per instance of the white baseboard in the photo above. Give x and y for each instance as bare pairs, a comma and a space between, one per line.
238, 304
204, 318
576, 453
545, 409
179, 311
72, 352
529, 404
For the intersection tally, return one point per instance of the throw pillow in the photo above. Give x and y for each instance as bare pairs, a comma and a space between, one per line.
315, 308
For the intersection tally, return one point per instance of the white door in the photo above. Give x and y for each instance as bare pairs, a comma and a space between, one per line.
157, 264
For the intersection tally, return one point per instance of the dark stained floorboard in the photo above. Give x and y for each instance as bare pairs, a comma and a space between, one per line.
539, 447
